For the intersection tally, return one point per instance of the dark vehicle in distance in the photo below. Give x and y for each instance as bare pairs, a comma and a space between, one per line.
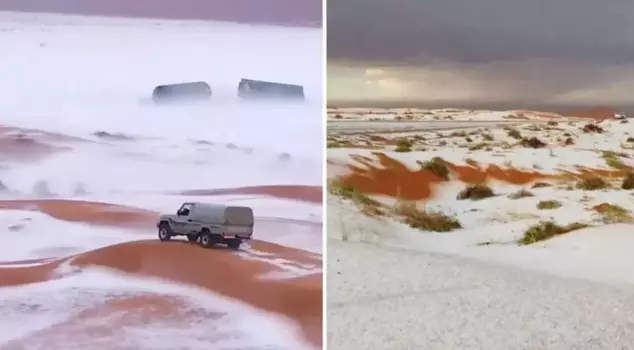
194, 91
257, 89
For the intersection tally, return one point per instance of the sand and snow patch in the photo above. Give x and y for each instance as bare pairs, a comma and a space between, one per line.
34, 235
491, 228
45, 312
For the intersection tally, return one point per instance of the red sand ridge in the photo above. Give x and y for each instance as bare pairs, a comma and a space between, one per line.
392, 178
597, 113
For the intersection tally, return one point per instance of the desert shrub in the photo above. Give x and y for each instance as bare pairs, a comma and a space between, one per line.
569, 141
593, 128
613, 160
476, 192
628, 182
592, 184
367, 205
487, 137
533, 142
437, 166
550, 204
479, 146
546, 230
404, 146
523, 193
458, 134
426, 220
612, 214
541, 185
338, 188
514, 133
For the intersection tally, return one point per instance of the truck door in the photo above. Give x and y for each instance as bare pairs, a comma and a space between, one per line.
180, 225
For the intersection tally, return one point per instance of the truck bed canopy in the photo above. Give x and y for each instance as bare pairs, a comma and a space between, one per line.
222, 214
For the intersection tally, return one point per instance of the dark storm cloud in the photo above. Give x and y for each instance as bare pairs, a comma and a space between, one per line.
282, 12
410, 32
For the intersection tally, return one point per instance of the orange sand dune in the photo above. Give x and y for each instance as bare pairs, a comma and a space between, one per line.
393, 178
148, 308
222, 271
89, 212
298, 192
597, 113
30, 144
26, 148
237, 275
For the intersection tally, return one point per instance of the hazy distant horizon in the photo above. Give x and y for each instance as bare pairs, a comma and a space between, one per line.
499, 106
559, 53
304, 13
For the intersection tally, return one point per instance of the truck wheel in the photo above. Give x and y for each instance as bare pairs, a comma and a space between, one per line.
207, 240
234, 244
165, 232
192, 237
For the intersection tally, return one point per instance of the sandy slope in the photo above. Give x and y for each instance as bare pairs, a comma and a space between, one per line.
389, 179
87, 165
403, 299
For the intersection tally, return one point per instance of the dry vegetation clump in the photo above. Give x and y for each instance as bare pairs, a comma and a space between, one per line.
628, 182
533, 128
458, 134
546, 230
366, 204
552, 123
593, 128
487, 137
476, 192
514, 133
569, 141
438, 167
550, 204
630, 139
340, 144
533, 142
593, 184
376, 138
523, 193
612, 214
613, 160
541, 185
479, 146
404, 146
426, 220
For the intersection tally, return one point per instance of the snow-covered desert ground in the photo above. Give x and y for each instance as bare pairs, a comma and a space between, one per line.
463, 238
87, 162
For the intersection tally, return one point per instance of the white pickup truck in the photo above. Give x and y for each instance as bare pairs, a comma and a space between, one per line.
208, 224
